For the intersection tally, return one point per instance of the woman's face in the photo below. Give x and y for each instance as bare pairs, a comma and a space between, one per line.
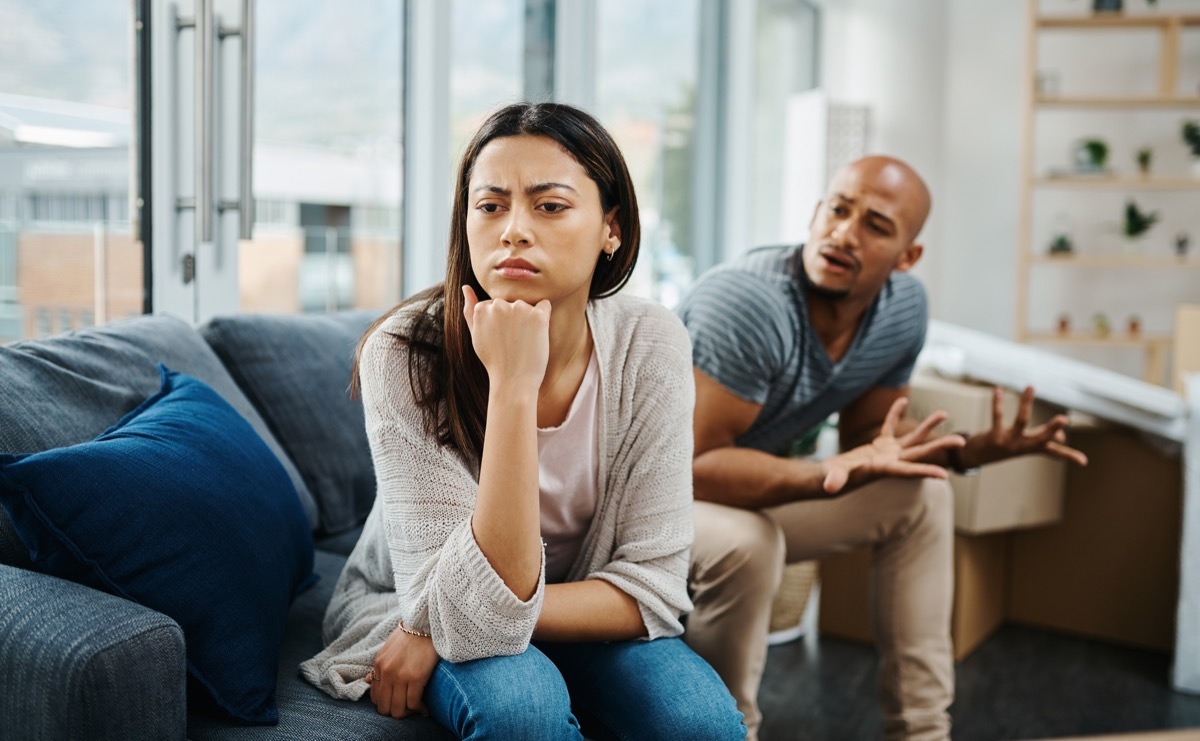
535, 226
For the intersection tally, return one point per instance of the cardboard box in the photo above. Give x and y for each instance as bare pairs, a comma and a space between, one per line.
980, 571
1018, 493
1110, 569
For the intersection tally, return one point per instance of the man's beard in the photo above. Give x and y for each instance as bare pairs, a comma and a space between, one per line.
827, 294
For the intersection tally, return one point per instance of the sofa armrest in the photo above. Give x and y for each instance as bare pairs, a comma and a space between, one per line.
78, 663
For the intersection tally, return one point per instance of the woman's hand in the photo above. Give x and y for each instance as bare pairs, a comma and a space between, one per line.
511, 338
402, 668
888, 455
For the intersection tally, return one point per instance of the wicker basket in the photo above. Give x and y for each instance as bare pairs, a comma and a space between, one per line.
794, 590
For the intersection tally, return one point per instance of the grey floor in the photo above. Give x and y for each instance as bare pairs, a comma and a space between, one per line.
1021, 683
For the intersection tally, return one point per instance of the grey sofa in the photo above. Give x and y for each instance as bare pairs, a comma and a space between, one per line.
77, 663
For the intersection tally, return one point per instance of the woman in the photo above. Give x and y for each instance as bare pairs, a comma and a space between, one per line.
516, 403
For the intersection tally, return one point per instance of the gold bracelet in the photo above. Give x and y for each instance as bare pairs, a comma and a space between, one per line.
412, 632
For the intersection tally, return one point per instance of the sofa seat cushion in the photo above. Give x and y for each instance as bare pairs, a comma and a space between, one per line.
180, 507
69, 388
296, 371
305, 711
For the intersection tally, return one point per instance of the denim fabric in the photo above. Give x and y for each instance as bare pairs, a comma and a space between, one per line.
296, 371
304, 711
81, 664
657, 690
69, 388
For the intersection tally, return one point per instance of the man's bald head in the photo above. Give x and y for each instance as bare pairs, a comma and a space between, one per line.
893, 179
865, 229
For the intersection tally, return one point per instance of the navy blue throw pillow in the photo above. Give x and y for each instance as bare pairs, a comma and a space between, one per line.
183, 508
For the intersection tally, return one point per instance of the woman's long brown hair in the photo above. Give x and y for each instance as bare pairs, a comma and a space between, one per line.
449, 382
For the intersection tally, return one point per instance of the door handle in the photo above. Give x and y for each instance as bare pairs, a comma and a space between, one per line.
204, 121
203, 200
244, 204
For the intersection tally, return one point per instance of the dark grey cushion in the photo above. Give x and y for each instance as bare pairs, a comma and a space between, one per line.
342, 543
78, 663
304, 711
69, 388
296, 371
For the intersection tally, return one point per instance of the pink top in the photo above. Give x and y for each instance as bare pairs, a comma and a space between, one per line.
568, 465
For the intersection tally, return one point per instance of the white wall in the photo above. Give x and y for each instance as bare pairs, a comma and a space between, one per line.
942, 79
981, 197
892, 57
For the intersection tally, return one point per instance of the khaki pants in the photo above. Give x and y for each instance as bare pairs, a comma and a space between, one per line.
738, 558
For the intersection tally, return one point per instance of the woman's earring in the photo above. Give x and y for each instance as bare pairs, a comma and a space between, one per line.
610, 256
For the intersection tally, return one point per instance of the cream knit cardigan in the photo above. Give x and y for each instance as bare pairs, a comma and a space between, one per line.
417, 560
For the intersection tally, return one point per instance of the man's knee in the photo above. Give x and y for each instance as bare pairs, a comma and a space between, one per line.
920, 503
736, 546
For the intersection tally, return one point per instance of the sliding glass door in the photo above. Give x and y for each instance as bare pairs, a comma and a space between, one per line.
69, 256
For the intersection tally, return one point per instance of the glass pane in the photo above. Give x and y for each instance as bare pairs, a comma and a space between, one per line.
327, 159
67, 254
486, 59
785, 64
646, 96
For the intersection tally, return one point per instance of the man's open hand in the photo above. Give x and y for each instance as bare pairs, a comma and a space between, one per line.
888, 455
1000, 442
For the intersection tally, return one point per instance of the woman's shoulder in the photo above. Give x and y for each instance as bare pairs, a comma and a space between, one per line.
628, 311
386, 349
633, 324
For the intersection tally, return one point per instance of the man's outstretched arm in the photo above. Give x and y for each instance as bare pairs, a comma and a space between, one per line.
742, 477
859, 423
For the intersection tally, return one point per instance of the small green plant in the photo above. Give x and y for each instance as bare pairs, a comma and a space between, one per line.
1136, 222
1144, 157
1061, 245
1092, 155
1191, 137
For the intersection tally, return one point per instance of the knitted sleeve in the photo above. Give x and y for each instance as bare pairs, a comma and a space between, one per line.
652, 474
444, 582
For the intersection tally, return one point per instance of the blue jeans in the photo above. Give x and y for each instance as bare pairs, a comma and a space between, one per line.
636, 689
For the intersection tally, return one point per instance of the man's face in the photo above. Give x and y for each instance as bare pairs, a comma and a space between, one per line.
864, 229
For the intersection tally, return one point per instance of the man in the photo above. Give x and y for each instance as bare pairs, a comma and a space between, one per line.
782, 338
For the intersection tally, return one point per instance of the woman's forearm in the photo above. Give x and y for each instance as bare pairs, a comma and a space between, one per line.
590, 610
506, 522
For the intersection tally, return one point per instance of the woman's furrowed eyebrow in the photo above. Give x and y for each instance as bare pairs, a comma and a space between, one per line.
543, 187
531, 190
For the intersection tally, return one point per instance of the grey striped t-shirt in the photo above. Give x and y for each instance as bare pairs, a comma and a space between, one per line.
750, 332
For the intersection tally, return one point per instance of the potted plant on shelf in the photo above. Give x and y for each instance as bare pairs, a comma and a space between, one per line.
1061, 245
1191, 137
1091, 155
1137, 222
1145, 156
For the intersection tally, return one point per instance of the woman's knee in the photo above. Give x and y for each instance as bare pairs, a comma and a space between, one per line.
668, 691
704, 710
502, 697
